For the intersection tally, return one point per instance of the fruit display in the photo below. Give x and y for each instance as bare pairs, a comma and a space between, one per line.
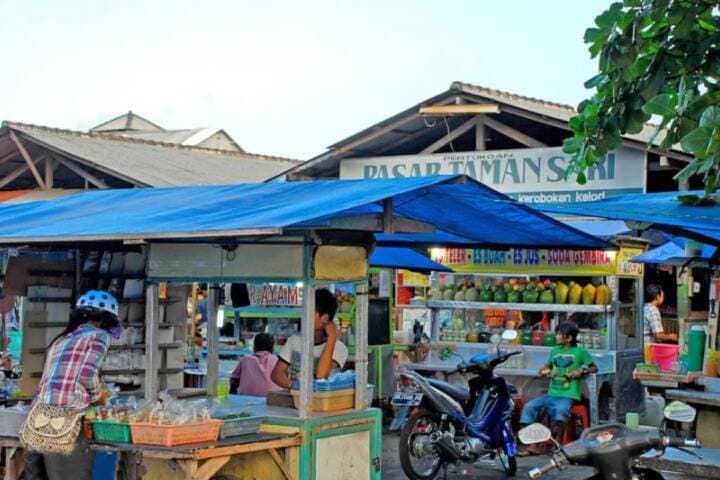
522, 290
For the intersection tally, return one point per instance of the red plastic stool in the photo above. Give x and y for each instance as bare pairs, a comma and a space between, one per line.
578, 412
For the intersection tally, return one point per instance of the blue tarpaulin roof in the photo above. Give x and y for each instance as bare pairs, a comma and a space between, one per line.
660, 209
603, 229
403, 257
457, 205
671, 252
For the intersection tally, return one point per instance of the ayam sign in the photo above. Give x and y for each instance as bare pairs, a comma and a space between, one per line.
530, 175
275, 294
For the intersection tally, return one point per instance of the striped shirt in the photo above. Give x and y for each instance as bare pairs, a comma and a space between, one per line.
71, 374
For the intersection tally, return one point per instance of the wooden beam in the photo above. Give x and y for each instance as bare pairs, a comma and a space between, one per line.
480, 133
407, 138
460, 109
49, 172
449, 137
89, 177
13, 175
8, 157
210, 468
28, 160
281, 464
512, 133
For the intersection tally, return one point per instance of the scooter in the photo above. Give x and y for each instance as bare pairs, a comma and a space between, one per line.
449, 424
611, 448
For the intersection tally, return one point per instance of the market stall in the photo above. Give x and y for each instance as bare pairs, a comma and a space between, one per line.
533, 290
317, 233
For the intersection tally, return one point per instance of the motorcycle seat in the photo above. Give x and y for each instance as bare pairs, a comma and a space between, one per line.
458, 393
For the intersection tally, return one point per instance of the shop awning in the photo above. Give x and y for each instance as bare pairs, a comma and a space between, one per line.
657, 209
672, 252
406, 258
454, 204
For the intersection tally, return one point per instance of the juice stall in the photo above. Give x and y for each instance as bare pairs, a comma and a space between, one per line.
533, 290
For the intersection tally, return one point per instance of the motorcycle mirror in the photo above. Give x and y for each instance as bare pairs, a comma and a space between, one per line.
509, 335
535, 433
680, 412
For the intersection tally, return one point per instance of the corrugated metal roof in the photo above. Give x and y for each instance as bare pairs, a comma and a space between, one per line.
155, 164
411, 125
127, 121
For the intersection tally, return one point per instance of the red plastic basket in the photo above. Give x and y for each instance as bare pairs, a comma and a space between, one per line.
171, 435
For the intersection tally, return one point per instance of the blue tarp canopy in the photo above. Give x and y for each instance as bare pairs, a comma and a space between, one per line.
454, 204
603, 229
672, 252
663, 210
404, 257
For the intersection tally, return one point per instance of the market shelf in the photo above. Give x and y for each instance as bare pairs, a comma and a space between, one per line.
267, 312
527, 307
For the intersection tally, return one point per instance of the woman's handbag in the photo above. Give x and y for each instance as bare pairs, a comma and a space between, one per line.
51, 429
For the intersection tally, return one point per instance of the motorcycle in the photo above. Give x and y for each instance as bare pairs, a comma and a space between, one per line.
612, 449
446, 424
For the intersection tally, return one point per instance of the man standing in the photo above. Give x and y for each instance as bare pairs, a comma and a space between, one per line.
652, 324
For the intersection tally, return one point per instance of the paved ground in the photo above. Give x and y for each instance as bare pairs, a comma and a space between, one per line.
482, 470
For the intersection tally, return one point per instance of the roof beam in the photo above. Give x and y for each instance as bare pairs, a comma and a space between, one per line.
83, 173
8, 157
377, 133
465, 127
460, 109
49, 172
28, 160
16, 173
409, 137
480, 138
512, 133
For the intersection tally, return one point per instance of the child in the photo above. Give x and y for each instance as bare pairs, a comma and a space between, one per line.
566, 366
329, 352
252, 373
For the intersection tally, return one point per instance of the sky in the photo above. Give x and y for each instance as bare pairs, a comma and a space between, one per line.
283, 78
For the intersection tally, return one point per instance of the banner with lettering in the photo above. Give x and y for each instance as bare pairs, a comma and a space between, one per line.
527, 261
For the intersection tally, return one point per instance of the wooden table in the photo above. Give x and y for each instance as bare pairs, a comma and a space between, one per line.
708, 415
200, 461
12, 453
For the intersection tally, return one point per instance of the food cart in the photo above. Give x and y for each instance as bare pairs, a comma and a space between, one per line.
472, 303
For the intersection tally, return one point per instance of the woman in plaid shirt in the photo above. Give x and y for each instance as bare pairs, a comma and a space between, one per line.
71, 380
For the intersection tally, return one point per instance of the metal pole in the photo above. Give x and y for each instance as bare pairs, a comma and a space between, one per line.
307, 330
152, 353
212, 341
361, 346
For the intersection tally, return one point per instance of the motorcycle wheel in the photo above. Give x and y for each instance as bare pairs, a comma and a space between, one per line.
509, 463
415, 432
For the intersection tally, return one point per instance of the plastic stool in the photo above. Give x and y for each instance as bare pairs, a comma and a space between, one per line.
577, 412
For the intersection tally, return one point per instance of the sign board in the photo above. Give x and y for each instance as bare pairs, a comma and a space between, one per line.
275, 294
526, 260
625, 266
187, 262
530, 175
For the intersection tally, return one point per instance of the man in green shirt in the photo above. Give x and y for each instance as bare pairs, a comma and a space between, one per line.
567, 365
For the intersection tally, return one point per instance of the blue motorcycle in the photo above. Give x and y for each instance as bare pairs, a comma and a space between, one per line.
446, 424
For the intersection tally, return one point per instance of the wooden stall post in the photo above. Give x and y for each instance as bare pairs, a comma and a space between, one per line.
361, 347
212, 340
307, 329
152, 331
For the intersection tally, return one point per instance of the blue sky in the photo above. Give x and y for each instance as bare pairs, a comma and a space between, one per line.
282, 77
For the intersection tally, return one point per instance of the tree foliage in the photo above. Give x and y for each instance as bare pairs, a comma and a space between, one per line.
656, 58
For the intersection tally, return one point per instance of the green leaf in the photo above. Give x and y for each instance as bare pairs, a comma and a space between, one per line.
697, 141
596, 80
663, 105
710, 117
705, 25
581, 178
572, 145
688, 199
609, 17
593, 34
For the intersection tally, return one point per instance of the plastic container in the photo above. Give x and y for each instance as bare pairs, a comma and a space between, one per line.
526, 338
223, 388
15, 344
106, 431
537, 338
240, 426
11, 419
664, 355
171, 435
696, 348
549, 339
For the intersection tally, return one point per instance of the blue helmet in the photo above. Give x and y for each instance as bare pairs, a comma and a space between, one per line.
99, 299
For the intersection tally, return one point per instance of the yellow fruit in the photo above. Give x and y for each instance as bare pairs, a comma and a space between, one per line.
575, 294
602, 295
561, 292
588, 294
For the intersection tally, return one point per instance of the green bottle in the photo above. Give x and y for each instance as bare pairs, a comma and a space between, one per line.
549, 339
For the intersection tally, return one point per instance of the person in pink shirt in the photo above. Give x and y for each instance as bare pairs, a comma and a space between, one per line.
252, 373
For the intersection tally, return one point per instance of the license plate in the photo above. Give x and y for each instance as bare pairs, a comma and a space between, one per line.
407, 399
